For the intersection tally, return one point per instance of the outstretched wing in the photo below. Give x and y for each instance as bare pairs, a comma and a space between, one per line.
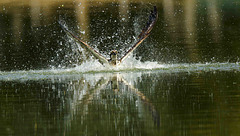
145, 32
84, 45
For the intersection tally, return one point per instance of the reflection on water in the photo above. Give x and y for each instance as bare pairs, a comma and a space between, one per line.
132, 103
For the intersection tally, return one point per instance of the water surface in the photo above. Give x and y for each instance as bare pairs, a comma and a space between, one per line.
183, 80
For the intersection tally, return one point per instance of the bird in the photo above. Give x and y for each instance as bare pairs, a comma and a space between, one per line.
113, 60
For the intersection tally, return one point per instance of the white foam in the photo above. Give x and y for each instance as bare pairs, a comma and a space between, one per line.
129, 64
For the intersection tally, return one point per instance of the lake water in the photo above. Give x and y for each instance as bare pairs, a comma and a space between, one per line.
184, 79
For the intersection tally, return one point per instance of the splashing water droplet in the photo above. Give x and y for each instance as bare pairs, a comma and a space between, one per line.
82, 32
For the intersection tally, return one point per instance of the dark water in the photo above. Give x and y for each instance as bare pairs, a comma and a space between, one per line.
183, 80
187, 31
196, 103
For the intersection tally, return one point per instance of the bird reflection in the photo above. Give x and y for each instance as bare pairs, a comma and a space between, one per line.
120, 88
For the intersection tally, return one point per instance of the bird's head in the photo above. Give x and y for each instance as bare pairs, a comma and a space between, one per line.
113, 57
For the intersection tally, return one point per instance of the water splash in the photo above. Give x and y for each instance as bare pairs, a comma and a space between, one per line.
131, 65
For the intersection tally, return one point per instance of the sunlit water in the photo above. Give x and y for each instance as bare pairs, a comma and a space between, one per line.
183, 80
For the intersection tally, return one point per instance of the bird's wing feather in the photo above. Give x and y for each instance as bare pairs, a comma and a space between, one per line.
145, 32
84, 45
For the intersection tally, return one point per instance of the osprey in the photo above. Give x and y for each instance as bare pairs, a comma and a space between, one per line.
113, 54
